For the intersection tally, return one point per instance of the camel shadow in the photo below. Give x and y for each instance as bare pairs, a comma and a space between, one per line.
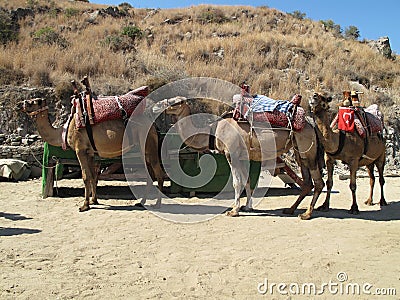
13, 217
103, 192
391, 212
17, 231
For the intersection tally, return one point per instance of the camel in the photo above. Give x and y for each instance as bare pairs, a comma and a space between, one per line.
108, 138
234, 140
355, 152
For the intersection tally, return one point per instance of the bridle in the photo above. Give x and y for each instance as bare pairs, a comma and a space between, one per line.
36, 112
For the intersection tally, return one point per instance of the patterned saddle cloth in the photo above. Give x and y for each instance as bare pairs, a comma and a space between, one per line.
107, 108
366, 121
280, 113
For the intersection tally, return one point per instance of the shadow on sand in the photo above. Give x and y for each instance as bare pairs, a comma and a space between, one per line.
387, 213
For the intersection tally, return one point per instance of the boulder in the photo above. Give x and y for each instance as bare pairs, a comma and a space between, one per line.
382, 45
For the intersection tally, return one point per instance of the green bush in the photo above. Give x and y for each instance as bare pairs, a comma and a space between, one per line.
49, 36
298, 15
133, 32
212, 15
71, 12
352, 32
330, 25
8, 30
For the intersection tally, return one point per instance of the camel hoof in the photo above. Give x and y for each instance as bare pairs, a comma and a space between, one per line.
288, 211
383, 202
323, 208
155, 206
354, 211
246, 209
139, 204
84, 208
305, 216
369, 202
95, 202
232, 213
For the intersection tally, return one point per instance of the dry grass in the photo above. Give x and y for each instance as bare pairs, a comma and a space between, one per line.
275, 53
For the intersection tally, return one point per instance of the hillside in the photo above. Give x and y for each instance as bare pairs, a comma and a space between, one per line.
45, 45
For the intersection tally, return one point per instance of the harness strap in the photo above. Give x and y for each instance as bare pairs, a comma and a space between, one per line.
342, 136
36, 112
86, 121
124, 114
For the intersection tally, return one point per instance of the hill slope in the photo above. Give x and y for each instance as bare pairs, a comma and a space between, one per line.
123, 47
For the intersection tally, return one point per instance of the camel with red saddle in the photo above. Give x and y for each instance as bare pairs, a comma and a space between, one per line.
106, 139
239, 142
350, 146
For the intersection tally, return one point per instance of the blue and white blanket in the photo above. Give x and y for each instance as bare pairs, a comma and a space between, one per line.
263, 103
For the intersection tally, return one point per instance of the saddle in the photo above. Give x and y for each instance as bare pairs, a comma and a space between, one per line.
107, 108
364, 121
279, 113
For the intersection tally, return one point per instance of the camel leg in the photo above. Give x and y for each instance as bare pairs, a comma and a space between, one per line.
249, 194
237, 186
149, 182
353, 187
96, 173
305, 189
84, 161
158, 171
318, 186
370, 169
380, 165
329, 184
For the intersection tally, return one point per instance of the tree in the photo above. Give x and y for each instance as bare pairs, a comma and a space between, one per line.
330, 25
352, 32
8, 29
298, 15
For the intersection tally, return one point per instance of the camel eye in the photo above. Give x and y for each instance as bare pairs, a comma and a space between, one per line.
39, 102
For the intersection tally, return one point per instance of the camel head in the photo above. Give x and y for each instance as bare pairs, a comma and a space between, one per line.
172, 106
32, 107
319, 102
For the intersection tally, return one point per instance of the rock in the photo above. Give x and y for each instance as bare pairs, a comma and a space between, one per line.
382, 46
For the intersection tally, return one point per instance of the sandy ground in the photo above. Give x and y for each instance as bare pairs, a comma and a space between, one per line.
48, 250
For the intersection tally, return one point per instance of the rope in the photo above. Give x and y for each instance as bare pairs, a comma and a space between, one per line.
47, 167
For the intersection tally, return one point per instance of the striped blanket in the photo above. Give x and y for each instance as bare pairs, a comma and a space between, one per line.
261, 103
265, 109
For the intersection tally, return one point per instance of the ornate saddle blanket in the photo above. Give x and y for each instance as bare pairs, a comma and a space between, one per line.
279, 113
365, 121
107, 108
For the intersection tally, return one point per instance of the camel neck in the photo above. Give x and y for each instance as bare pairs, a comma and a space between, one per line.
328, 137
194, 137
47, 131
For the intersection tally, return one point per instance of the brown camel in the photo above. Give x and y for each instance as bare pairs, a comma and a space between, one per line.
108, 138
234, 140
352, 149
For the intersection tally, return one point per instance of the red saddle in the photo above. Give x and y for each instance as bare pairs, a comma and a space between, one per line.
107, 108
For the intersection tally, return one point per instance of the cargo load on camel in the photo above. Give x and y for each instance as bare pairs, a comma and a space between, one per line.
353, 117
260, 108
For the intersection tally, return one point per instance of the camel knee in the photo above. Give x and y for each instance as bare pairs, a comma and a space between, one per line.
318, 186
381, 181
353, 187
